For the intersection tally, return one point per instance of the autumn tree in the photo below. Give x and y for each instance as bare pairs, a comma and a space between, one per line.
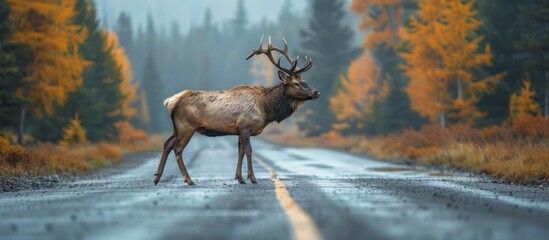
523, 102
73, 133
328, 43
382, 23
353, 103
443, 61
103, 98
126, 86
46, 27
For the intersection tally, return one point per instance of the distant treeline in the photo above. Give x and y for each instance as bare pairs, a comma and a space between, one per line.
433, 61
446, 62
58, 69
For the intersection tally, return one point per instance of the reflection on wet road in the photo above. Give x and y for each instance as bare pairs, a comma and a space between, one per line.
343, 196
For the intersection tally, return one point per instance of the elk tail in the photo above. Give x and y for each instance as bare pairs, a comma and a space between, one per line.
170, 102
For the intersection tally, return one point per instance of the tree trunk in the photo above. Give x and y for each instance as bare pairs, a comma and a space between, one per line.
546, 112
442, 115
460, 90
21, 125
442, 119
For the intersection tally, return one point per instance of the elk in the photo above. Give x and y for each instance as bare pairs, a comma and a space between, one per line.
243, 111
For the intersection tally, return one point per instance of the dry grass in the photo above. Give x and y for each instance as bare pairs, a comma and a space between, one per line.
517, 151
47, 159
526, 162
42, 159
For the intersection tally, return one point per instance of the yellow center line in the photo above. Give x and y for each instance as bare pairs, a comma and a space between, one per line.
303, 226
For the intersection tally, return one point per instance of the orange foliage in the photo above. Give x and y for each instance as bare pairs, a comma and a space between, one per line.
354, 100
56, 70
353, 103
127, 134
523, 103
49, 159
444, 54
384, 27
74, 133
127, 87
530, 127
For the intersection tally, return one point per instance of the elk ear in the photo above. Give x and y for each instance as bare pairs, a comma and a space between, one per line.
283, 77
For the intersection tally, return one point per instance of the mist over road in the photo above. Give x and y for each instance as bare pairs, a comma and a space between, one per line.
301, 192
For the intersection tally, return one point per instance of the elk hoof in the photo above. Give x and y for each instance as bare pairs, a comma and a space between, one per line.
240, 179
189, 181
252, 179
156, 179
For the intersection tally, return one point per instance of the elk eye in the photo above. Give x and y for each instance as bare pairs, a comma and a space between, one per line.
296, 84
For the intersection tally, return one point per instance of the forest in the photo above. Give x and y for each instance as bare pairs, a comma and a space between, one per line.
458, 83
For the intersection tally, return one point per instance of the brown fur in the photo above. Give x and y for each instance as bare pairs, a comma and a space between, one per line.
243, 110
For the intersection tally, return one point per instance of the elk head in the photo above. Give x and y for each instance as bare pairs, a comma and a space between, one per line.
290, 77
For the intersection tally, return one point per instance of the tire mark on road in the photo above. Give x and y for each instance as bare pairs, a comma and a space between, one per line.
303, 226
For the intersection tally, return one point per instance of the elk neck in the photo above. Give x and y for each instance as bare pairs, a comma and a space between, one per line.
278, 104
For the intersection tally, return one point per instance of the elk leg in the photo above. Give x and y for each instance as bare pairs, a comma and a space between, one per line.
238, 174
168, 146
179, 157
248, 146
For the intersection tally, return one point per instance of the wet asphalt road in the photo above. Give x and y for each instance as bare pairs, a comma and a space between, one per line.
346, 196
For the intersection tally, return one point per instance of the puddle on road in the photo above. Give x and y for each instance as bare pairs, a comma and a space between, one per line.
441, 174
394, 169
414, 170
317, 165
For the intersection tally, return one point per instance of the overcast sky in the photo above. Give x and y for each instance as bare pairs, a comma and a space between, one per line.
189, 12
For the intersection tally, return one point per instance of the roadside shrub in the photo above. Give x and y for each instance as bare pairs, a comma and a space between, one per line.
128, 134
74, 133
530, 127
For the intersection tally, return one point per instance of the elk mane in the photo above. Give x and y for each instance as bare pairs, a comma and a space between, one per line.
278, 104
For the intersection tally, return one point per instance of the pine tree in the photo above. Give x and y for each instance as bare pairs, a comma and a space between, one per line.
153, 89
124, 31
240, 21
328, 43
535, 40
101, 99
499, 27
11, 73
56, 67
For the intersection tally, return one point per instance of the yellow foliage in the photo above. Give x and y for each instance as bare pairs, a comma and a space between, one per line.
523, 103
444, 54
46, 159
56, 69
74, 133
127, 87
354, 100
127, 134
384, 27
4, 142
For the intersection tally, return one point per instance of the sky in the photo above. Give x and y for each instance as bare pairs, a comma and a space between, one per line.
189, 13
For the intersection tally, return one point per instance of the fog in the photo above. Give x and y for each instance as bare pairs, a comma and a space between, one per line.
187, 13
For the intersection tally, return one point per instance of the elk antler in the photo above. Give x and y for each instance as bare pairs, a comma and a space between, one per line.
293, 70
